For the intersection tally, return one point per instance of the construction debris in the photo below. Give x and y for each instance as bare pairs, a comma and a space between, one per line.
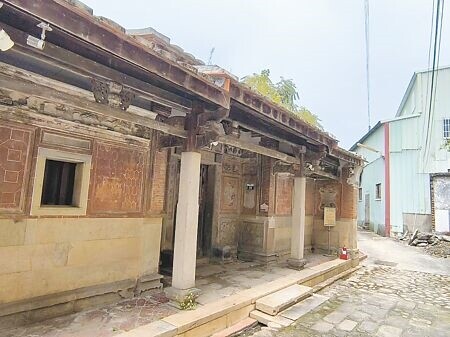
436, 245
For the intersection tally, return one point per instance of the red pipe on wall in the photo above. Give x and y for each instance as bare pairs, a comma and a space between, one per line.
387, 182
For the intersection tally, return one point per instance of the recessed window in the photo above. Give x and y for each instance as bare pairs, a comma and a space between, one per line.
378, 191
58, 185
61, 183
447, 128
360, 194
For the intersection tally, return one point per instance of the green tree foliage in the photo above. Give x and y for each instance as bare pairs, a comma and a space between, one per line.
284, 93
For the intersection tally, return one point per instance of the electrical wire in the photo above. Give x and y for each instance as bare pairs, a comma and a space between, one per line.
367, 22
436, 51
429, 51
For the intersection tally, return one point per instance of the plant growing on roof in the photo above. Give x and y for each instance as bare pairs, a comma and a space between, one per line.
284, 93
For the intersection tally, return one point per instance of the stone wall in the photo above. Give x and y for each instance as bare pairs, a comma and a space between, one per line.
50, 255
113, 246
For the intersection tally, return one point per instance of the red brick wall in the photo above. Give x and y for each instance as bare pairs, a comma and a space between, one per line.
117, 174
328, 191
349, 198
309, 204
345, 199
15, 156
158, 184
267, 185
283, 195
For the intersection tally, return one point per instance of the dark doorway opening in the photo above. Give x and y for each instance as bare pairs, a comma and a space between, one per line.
205, 210
205, 219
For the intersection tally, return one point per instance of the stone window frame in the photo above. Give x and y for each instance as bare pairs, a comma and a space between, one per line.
81, 184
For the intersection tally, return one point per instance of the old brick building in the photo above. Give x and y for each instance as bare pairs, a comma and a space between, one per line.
119, 152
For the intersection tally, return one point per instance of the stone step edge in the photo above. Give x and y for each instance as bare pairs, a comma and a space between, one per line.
362, 256
306, 292
240, 327
333, 279
304, 307
251, 295
265, 319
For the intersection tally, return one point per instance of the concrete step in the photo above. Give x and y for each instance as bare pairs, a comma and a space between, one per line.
238, 328
266, 319
274, 303
301, 308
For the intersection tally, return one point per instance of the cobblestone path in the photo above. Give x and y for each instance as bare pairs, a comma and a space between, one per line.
378, 301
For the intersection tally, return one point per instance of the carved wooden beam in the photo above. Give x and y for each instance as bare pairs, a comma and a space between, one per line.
112, 93
244, 145
217, 115
281, 167
169, 141
50, 91
203, 127
231, 129
314, 158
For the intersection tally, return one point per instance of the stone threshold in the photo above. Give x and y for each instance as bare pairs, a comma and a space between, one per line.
221, 314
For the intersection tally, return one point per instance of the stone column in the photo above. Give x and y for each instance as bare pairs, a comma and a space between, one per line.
298, 224
185, 248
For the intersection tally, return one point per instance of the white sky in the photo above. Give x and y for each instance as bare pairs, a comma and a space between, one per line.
317, 43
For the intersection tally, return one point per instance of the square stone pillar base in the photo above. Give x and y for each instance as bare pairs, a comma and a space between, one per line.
176, 296
297, 264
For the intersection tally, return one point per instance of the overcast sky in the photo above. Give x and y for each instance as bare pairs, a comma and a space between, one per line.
318, 43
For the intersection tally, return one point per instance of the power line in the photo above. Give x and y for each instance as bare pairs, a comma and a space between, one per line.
366, 22
429, 50
436, 51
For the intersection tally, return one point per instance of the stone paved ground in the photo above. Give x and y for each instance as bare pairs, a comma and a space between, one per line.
378, 301
399, 291
216, 281
104, 322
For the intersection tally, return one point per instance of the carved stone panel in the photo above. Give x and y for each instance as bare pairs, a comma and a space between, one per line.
117, 179
231, 165
228, 232
15, 147
283, 196
328, 197
252, 236
229, 200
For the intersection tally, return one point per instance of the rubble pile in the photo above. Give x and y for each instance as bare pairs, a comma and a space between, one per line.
437, 245
441, 249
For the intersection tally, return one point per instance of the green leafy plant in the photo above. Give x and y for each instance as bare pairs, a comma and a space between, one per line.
284, 93
188, 302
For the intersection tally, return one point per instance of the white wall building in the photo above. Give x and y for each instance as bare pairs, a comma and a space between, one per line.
405, 183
